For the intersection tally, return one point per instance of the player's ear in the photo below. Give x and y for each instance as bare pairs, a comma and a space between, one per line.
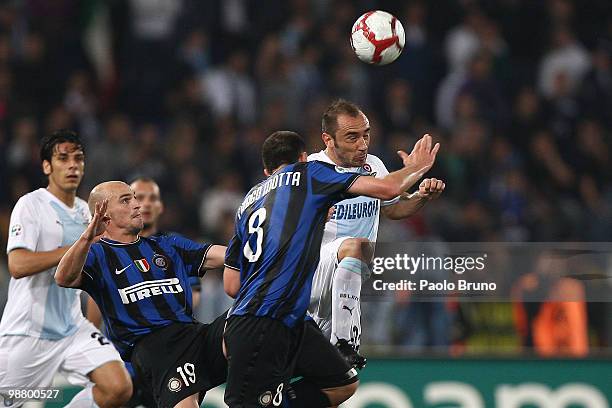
303, 157
266, 173
327, 139
47, 168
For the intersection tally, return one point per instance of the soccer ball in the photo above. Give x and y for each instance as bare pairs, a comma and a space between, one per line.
377, 37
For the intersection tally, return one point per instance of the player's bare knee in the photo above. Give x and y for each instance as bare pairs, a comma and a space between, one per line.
355, 248
113, 385
340, 394
123, 393
116, 392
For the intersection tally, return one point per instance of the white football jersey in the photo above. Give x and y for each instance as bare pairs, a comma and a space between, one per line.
36, 305
356, 217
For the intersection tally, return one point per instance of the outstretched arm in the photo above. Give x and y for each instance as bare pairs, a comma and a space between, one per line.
416, 164
410, 204
214, 257
69, 270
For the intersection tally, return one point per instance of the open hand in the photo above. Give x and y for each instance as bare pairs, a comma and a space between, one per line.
422, 156
97, 226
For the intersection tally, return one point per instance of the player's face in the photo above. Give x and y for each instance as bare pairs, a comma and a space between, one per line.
124, 210
66, 168
350, 146
147, 194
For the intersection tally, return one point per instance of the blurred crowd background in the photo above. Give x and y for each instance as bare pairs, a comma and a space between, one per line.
518, 92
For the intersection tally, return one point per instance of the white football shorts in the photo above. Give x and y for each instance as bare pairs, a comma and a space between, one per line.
320, 308
32, 362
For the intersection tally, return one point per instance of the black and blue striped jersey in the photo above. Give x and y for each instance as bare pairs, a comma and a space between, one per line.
194, 281
277, 240
142, 286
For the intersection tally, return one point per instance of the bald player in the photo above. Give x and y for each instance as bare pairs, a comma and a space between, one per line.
148, 194
142, 288
151, 208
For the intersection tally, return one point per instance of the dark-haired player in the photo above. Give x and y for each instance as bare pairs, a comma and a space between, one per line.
142, 288
43, 330
269, 267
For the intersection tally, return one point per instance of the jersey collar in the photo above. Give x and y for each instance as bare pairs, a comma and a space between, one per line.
365, 170
117, 243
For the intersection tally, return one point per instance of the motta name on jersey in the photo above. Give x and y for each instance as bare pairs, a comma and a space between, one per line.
364, 209
290, 178
144, 290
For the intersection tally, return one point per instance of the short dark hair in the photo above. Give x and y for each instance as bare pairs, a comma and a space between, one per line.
329, 123
59, 136
282, 147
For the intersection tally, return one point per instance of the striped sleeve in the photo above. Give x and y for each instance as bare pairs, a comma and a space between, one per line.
192, 254
232, 253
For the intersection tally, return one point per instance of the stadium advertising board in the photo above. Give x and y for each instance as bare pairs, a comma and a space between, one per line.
477, 383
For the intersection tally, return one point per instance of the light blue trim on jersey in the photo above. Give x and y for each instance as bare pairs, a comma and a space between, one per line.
58, 322
58, 313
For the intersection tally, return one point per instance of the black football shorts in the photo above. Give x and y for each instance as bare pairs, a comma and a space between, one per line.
179, 360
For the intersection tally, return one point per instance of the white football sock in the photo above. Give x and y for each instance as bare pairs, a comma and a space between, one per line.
346, 310
83, 399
